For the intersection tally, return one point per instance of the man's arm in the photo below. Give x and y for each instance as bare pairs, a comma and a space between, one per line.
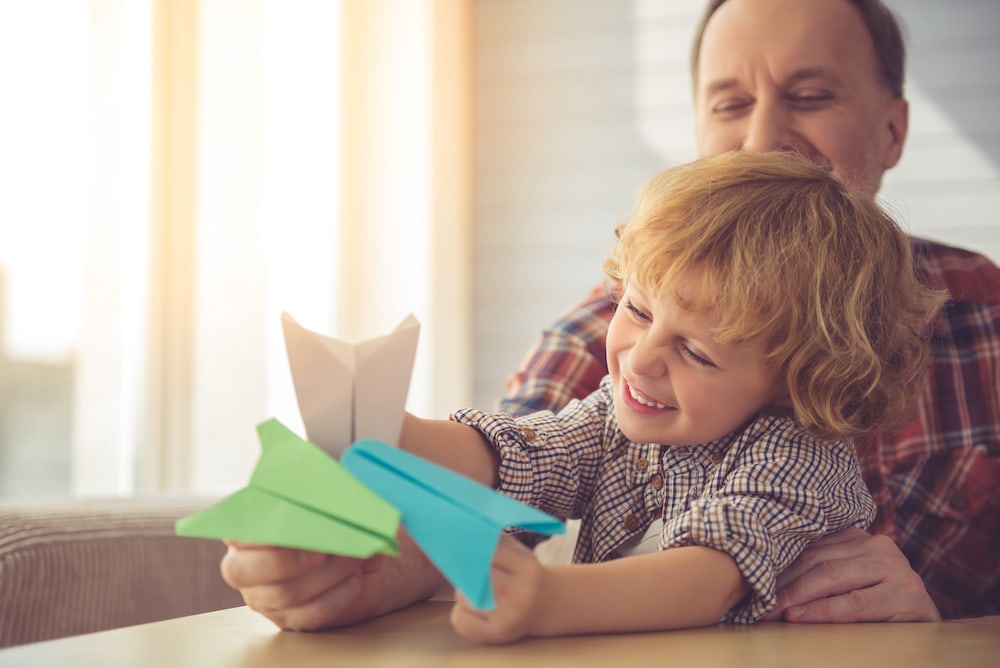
568, 360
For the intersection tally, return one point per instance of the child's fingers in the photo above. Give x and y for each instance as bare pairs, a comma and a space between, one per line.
463, 604
511, 555
469, 622
488, 628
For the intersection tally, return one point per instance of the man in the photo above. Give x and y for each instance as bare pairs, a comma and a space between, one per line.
776, 75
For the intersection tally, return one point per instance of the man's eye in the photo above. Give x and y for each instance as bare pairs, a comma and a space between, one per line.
636, 312
730, 107
810, 98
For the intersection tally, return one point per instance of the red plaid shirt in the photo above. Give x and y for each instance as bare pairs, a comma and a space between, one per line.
936, 480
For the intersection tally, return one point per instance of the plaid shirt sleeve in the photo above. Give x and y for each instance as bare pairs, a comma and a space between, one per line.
547, 460
776, 490
567, 362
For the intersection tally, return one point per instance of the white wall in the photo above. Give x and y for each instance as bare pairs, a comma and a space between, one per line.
947, 186
579, 101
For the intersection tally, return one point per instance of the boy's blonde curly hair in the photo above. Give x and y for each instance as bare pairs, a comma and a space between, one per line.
785, 254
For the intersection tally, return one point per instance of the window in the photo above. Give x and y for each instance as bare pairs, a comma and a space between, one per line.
180, 173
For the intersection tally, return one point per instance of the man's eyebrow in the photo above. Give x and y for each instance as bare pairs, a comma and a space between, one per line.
721, 85
813, 73
803, 74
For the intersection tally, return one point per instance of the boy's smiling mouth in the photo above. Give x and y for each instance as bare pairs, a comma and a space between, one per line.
639, 398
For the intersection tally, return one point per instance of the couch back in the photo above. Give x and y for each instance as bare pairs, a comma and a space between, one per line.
73, 566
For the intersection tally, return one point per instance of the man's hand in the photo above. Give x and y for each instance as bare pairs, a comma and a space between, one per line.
852, 576
306, 591
518, 590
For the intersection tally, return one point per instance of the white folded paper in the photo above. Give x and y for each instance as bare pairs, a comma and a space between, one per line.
349, 392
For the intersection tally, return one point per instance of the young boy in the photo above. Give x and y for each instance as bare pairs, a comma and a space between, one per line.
767, 315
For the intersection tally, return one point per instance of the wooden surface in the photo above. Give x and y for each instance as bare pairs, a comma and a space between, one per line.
421, 636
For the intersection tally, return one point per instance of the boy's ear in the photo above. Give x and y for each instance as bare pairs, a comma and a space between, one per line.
782, 403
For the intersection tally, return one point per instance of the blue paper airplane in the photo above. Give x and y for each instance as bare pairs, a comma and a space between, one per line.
456, 521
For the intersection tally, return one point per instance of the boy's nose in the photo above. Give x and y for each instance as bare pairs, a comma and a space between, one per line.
647, 360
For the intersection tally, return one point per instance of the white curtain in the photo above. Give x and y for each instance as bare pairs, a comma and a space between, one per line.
218, 162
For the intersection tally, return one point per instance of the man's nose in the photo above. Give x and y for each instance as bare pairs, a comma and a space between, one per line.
767, 129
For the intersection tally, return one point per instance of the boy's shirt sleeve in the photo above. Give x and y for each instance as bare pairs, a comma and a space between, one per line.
776, 491
547, 460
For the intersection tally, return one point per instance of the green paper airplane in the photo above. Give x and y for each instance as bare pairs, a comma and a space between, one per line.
300, 497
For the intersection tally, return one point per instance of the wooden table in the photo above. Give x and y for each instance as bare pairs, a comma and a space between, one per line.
421, 636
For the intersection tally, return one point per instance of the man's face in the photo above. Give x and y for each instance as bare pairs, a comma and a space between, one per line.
798, 75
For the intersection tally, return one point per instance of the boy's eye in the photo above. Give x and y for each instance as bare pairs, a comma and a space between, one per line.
695, 357
635, 311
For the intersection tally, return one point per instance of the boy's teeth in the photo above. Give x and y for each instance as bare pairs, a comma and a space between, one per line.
643, 400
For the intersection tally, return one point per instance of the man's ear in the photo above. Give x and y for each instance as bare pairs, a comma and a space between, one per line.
898, 122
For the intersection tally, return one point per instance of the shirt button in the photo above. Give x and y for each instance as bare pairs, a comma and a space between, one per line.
631, 522
642, 463
529, 434
656, 480
716, 458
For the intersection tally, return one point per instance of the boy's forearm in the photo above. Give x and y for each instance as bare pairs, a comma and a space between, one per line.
453, 445
675, 588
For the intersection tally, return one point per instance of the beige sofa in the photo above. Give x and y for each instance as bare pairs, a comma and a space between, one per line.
76, 566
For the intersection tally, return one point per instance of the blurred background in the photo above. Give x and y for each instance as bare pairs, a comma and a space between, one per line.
176, 173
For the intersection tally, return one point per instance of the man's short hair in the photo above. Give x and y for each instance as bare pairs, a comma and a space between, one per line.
883, 27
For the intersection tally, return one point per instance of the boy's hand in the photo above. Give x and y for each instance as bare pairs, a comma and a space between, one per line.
518, 590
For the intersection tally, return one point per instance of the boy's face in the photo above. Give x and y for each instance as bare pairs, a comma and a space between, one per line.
673, 383
798, 76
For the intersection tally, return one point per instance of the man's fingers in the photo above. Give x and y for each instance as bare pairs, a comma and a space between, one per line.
859, 605
847, 544
877, 553
855, 589
864, 605
303, 587
249, 566
330, 605
829, 577
295, 589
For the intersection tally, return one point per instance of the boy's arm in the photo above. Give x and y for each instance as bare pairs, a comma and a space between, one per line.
455, 446
676, 588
